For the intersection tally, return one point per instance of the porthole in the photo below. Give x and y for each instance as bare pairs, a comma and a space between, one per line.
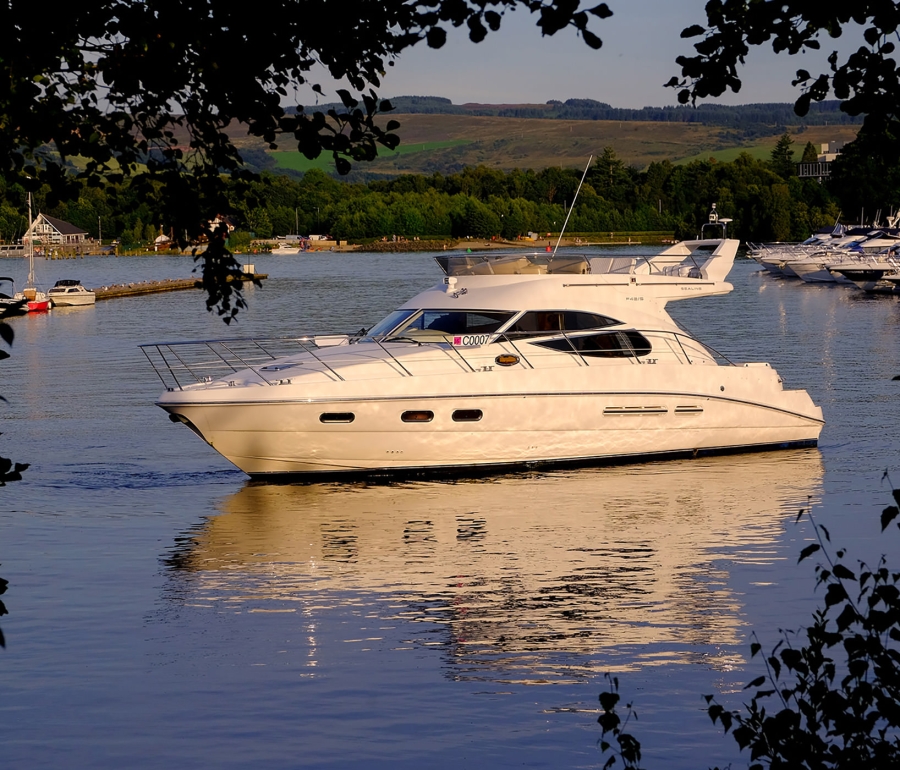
417, 415
332, 417
467, 415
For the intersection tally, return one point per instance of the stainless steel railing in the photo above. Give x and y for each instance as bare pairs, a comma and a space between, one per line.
182, 364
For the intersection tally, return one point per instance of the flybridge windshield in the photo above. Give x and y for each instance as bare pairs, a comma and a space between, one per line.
514, 264
422, 324
438, 325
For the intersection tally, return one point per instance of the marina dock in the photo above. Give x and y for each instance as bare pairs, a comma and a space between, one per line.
156, 287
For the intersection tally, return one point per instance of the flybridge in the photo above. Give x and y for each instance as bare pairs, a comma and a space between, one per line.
709, 260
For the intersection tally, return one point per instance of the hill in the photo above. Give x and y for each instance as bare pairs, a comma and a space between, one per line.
748, 118
446, 143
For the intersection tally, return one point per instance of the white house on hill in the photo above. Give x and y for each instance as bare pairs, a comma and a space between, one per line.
50, 231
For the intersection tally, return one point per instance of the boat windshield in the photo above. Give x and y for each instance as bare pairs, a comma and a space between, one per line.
387, 325
439, 324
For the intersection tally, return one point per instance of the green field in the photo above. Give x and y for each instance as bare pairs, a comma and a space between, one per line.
296, 161
758, 151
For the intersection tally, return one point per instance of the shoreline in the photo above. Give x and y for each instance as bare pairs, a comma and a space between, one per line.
484, 244
401, 247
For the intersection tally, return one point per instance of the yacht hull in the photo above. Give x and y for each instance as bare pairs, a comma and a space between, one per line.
73, 300
517, 426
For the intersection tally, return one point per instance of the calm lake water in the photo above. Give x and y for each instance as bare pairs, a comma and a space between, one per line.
166, 612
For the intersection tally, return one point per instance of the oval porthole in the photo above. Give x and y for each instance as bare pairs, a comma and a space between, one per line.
332, 417
506, 359
467, 415
418, 415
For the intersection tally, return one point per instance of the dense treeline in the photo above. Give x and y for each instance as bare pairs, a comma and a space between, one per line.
742, 117
485, 202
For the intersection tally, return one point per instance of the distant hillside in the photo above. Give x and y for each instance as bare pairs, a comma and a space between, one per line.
446, 143
746, 117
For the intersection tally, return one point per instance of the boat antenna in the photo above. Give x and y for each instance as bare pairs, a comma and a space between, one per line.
559, 240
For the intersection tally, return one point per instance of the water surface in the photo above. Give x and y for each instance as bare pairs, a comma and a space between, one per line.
165, 611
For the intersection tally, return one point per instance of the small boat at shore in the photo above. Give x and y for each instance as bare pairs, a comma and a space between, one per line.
69, 292
35, 299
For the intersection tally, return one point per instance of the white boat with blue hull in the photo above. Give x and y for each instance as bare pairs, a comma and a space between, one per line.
514, 360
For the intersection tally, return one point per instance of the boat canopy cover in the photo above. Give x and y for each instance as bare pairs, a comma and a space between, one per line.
67, 282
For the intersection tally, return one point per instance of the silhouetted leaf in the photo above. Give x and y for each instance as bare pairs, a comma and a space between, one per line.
591, 39
835, 594
608, 700
840, 571
808, 551
601, 11
755, 683
692, 31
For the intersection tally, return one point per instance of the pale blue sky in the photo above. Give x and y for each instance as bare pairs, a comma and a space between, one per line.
640, 43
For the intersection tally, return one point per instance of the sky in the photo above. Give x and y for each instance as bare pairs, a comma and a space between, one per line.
640, 43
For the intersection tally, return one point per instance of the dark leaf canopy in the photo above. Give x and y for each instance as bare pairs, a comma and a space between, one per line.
101, 91
148, 88
867, 80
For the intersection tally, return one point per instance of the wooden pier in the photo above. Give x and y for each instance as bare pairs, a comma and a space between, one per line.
156, 287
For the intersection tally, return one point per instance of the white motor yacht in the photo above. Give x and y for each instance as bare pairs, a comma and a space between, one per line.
513, 360
878, 274
69, 292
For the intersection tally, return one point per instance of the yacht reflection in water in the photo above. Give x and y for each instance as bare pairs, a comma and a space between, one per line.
521, 578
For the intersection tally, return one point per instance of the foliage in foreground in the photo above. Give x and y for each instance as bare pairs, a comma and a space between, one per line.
9, 471
830, 697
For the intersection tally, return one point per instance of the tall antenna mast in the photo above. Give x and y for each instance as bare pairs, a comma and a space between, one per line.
559, 240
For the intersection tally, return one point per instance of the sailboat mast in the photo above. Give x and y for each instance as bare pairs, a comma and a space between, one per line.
30, 283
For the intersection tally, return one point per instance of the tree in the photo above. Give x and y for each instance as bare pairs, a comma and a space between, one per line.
810, 154
866, 173
782, 157
149, 90
866, 81
834, 687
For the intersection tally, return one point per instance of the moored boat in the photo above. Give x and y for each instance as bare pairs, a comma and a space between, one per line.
514, 360
69, 292
11, 303
35, 299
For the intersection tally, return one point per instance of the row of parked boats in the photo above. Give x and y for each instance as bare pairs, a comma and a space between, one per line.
867, 257
67, 292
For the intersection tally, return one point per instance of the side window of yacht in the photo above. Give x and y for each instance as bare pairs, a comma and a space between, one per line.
628, 344
545, 321
463, 322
